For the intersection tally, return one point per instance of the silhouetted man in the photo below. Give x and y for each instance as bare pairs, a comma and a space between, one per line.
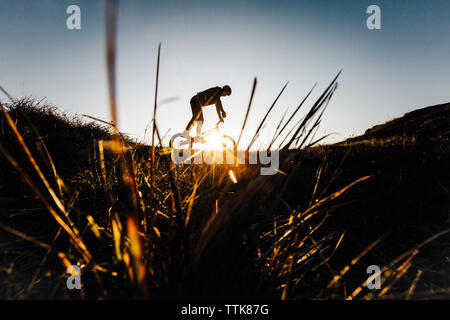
203, 99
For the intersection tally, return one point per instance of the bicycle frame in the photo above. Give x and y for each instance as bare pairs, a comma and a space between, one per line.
191, 140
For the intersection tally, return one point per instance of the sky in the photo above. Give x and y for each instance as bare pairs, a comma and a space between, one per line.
403, 66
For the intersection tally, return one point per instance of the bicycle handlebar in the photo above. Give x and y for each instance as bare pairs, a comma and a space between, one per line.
217, 124
215, 128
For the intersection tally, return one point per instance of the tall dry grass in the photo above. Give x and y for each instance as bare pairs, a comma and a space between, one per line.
193, 231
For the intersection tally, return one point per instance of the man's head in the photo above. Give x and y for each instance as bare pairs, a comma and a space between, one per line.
226, 91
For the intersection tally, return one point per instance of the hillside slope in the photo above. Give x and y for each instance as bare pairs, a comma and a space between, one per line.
424, 125
408, 196
406, 199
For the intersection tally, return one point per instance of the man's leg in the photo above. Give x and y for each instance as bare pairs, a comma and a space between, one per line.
196, 113
199, 124
190, 124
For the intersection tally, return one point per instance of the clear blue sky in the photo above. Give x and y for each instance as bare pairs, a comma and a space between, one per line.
386, 72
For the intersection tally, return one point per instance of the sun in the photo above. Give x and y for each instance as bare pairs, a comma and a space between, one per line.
213, 142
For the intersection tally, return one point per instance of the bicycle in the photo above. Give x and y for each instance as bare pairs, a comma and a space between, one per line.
212, 138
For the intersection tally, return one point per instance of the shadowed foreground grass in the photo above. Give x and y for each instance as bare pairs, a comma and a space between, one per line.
140, 227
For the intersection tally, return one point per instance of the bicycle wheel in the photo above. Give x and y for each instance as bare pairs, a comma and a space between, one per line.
229, 149
180, 141
181, 148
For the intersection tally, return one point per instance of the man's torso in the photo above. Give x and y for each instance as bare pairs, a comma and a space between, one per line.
208, 97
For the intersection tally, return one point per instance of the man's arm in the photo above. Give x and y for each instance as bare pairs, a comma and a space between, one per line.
220, 112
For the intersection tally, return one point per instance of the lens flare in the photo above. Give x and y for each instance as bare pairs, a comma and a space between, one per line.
213, 142
232, 176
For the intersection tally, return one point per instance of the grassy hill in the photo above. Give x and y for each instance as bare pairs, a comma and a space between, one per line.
408, 196
201, 235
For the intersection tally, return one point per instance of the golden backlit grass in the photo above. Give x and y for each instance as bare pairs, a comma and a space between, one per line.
193, 230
